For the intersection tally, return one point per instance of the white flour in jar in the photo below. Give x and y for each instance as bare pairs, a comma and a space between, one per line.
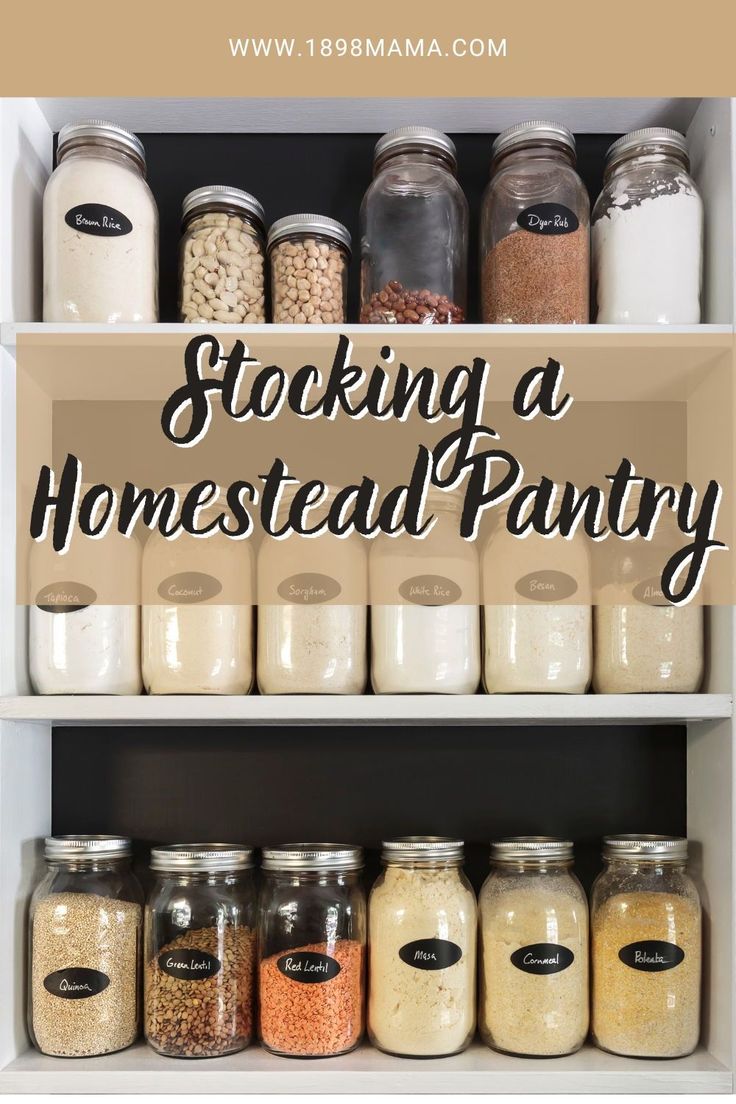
425, 649
537, 649
312, 649
95, 650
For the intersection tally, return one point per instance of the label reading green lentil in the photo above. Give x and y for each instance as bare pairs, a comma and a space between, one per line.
76, 983
189, 964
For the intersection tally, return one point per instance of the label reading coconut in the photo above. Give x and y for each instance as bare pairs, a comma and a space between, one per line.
546, 586
189, 587
430, 954
309, 588
76, 983
430, 590
66, 597
189, 964
548, 218
651, 955
309, 967
98, 219
649, 592
542, 958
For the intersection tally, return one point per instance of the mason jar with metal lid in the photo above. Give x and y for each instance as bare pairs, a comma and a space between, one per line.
309, 256
535, 229
422, 921
84, 942
534, 949
100, 229
646, 948
222, 257
414, 232
199, 954
647, 232
311, 942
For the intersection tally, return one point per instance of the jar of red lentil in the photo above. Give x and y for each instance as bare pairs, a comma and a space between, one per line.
312, 937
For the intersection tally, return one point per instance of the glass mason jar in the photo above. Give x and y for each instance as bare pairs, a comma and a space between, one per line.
535, 230
422, 928
309, 257
197, 612
100, 229
221, 257
647, 233
430, 641
84, 620
536, 641
200, 950
414, 232
312, 626
646, 949
84, 942
534, 949
311, 940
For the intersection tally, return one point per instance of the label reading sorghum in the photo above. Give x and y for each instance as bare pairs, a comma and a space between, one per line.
76, 983
186, 588
189, 964
65, 597
98, 219
548, 218
546, 586
310, 967
309, 588
430, 590
651, 955
542, 958
430, 954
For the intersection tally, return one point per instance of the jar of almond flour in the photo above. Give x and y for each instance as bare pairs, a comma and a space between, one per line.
646, 949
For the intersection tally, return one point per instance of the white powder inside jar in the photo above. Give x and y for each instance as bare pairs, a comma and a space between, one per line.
425, 649
646, 649
312, 649
204, 649
95, 650
538, 649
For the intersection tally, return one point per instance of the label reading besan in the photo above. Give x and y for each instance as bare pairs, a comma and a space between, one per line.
430, 590
546, 586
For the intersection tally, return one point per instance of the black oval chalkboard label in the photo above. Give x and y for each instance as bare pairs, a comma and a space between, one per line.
65, 597
430, 590
543, 958
76, 983
546, 586
98, 219
189, 964
189, 587
650, 592
309, 967
548, 218
651, 955
309, 588
430, 954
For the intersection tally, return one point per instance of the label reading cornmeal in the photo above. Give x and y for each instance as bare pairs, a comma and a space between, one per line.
98, 219
543, 958
309, 588
76, 983
546, 586
548, 218
430, 590
430, 954
651, 955
186, 588
309, 967
189, 964
65, 597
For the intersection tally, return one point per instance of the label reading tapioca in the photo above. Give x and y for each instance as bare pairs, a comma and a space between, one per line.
546, 586
65, 597
548, 218
430, 590
430, 954
98, 219
543, 958
189, 964
186, 588
309, 588
651, 955
76, 983
309, 967
649, 592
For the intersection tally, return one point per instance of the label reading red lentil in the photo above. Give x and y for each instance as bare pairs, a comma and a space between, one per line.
430, 590
430, 954
66, 597
186, 588
650, 593
543, 958
309, 967
546, 586
548, 218
76, 983
98, 219
651, 955
309, 588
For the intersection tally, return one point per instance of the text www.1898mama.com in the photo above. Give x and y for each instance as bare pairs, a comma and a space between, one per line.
290, 48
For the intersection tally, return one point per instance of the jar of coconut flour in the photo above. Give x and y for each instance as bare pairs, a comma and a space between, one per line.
425, 615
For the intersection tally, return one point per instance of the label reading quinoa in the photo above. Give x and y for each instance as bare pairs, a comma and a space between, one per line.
309, 967
189, 964
649, 592
542, 958
98, 219
309, 588
66, 597
430, 954
76, 983
548, 218
430, 590
546, 586
186, 588
651, 955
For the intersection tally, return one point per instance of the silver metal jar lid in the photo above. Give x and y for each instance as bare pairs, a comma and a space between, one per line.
313, 856
309, 224
202, 857
630, 144
415, 138
65, 848
418, 848
533, 132
531, 848
103, 131
672, 848
201, 199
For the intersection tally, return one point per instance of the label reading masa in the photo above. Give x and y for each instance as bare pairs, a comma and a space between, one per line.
76, 983
309, 967
430, 954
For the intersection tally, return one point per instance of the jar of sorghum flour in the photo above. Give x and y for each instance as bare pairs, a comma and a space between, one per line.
535, 229
414, 232
646, 948
309, 257
100, 229
85, 938
222, 257
534, 949
311, 940
200, 950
